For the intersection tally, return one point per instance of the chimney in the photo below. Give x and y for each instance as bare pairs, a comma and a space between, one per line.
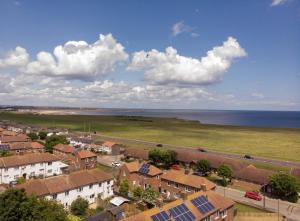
203, 187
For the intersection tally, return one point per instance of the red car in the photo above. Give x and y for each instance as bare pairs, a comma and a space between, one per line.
175, 167
253, 195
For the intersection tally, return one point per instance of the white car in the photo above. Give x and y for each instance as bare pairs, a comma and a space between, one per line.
116, 164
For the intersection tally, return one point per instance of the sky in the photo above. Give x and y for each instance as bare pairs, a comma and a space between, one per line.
208, 54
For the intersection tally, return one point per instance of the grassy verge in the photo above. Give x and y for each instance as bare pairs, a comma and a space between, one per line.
242, 208
267, 142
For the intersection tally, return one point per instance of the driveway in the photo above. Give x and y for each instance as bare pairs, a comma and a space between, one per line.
107, 160
289, 210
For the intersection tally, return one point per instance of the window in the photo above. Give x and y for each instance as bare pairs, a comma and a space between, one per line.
6, 169
41, 169
157, 177
67, 193
223, 213
91, 186
79, 189
100, 184
31, 165
54, 196
16, 168
92, 196
49, 163
169, 183
108, 182
32, 174
176, 185
49, 171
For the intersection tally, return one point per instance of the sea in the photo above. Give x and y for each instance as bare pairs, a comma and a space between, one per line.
274, 119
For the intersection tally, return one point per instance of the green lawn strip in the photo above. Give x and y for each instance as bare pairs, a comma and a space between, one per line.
243, 208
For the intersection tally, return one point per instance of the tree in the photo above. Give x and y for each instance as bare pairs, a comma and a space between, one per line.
15, 205
150, 195
284, 186
137, 192
54, 140
5, 153
225, 172
43, 135
203, 166
33, 136
124, 187
162, 157
79, 206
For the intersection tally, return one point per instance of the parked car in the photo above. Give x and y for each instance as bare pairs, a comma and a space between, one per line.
198, 173
175, 167
159, 145
253, 195
248, 157
202, 149
116, 164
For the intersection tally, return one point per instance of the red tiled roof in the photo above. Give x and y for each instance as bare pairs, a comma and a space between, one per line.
11, 139
20, 145
64, 148
85, 154
108, 143
36, 145
135, 166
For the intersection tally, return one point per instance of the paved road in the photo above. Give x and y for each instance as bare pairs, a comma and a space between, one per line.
289, 210
216, 153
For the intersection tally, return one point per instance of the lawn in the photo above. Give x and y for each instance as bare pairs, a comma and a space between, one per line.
242, 208
268, 142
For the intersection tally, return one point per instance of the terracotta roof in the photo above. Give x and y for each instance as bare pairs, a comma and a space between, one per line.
20, 145
85, 154
26, 159
133, 167
218, 201
64, 148
57, 184
136, 153
180, 177
108, 143
253, 174
11, 139
36, 145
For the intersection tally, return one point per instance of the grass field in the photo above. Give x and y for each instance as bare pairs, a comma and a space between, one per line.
268, 142
242, 208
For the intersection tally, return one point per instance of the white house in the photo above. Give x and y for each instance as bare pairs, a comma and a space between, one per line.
29, 165
88, 184
106, 147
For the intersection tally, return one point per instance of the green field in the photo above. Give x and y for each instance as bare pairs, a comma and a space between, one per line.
242, 208
273, 143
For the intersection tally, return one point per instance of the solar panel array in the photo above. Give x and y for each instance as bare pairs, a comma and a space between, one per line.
202, 204
4, 147
162, 216
182, 213
144, 168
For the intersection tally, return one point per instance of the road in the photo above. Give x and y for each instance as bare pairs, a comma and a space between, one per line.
289, 210
216, 153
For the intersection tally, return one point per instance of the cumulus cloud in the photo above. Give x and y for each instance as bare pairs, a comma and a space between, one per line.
278, 2
15, 58
169, 67
80, 60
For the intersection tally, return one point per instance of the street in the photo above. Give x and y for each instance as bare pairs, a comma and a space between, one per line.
289, 210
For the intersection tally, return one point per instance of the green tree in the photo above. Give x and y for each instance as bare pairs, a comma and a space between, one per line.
225, 172
54, 140
15, 205
284, 186
43, 135
137, 192
162, 157
150, 195
203, 166
124, 187
79, 206
33, 136
5, 153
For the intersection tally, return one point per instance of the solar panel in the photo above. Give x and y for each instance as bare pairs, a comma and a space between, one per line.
202, 204
144, 168
182, 213
162, 216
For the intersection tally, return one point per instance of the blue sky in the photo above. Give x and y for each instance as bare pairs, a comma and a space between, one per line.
254, 52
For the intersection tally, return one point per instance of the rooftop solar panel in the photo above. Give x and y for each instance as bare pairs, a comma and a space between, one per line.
182, 213
144, 168
162, 216
202, 204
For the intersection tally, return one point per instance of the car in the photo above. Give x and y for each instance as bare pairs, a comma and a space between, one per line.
253, 195
175, 167
116, 164
248, 157
202, 149
198, 173
159, 145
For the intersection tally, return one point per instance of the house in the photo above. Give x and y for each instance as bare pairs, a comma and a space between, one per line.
20, 147
14, 139
36, 147
29, 165
175, 182
88, 184
63, 150
80, 142
140, 174
198, 206
136, 153
109, 148
86, 159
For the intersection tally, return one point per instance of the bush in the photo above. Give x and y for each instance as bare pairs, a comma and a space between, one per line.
137, 192
33, 136
79, 207
43, 135
124, 187
162, 157
203, 166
